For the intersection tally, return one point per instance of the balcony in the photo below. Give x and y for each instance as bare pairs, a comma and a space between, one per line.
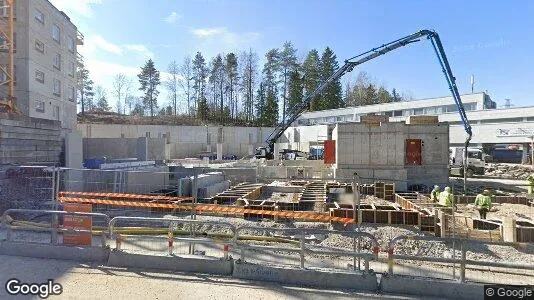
79, 38
79, 59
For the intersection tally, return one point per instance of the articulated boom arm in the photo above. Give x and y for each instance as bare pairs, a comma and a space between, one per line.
367, 56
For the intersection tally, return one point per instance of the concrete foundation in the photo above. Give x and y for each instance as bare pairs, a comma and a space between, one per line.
316, 278
84, 254
182, 263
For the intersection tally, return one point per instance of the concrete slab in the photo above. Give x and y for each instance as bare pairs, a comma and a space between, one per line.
431, 288
85, 254
305, 277
183, 263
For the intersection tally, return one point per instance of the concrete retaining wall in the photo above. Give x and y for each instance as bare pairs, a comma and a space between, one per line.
26, 140
122, 148
84, 254
313, 278
184, 263
431, 288
185, 141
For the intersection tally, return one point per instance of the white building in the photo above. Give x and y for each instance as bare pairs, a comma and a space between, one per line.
489, 124
46, 61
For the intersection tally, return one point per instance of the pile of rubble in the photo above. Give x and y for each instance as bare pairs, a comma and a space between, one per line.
509, 171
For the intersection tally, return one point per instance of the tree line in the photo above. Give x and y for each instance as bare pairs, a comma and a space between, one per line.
231, 88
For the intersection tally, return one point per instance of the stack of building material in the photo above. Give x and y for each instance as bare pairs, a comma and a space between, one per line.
214, 189
185, 185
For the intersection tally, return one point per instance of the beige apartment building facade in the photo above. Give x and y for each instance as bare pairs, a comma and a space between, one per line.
46, 61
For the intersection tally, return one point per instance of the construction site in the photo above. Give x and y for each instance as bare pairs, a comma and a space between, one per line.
341, 206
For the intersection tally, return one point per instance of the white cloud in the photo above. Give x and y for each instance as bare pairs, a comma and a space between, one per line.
207, 32
230, 39
142, 50
99, 42
79, 7
172, 18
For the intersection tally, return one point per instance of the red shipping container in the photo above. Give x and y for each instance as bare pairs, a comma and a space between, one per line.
330, 152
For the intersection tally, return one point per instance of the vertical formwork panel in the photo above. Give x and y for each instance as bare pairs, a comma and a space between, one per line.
413, 152
330, 152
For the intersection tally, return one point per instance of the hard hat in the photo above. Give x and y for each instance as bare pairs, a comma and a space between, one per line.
486, 191
436, 187
447, 189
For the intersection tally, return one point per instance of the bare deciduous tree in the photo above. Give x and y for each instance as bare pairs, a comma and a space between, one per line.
171, 83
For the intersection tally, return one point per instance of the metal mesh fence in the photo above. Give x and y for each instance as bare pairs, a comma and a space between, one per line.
26, 187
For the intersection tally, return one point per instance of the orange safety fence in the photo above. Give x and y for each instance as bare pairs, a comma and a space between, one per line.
126, 196
220, 209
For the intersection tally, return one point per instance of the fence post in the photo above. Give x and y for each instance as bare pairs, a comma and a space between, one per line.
171, 242
390, 261
225, 251
462, 263
54, 226
302, 248
118, 242
354, 250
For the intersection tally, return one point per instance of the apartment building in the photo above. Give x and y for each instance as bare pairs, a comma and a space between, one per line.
46, 61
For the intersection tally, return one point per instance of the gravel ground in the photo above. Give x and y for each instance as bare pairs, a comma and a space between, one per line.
511, 171
499, 210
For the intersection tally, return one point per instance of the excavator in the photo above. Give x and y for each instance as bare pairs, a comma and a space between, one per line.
267, 151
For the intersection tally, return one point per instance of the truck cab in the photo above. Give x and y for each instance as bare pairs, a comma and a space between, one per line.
475, 161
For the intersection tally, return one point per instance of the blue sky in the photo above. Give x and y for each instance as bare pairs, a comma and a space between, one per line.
490, 39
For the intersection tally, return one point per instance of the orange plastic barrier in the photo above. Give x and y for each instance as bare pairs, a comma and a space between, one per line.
221, 209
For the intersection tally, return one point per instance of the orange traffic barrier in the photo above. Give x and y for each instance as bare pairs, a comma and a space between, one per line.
220, 209
125, 196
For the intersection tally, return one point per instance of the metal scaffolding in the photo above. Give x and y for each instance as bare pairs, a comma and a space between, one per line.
7, 58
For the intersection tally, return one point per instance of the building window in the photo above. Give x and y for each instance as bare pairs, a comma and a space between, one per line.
470, 106
39, 46
39, 16
56, 35
56, 112
39, 76
57, 61
40, 106
72, 69
419, 111
57, 87
397, 113
70, 44
72, 93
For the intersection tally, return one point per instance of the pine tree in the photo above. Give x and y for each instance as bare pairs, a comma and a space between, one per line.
203, 110
267, 113
200, 74
287, 63
331, 97
395, 97
85, 90
149, 80
383, 95
312, 76
230, 69
249, 71
217, 81
260, 104
295, 90
271, 109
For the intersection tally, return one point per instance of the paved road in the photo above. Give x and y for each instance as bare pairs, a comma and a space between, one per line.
82, 281
511, 184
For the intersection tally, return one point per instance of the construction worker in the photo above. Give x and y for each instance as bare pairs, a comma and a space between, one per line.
530, 179
445, 197
483, 203
435, 194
